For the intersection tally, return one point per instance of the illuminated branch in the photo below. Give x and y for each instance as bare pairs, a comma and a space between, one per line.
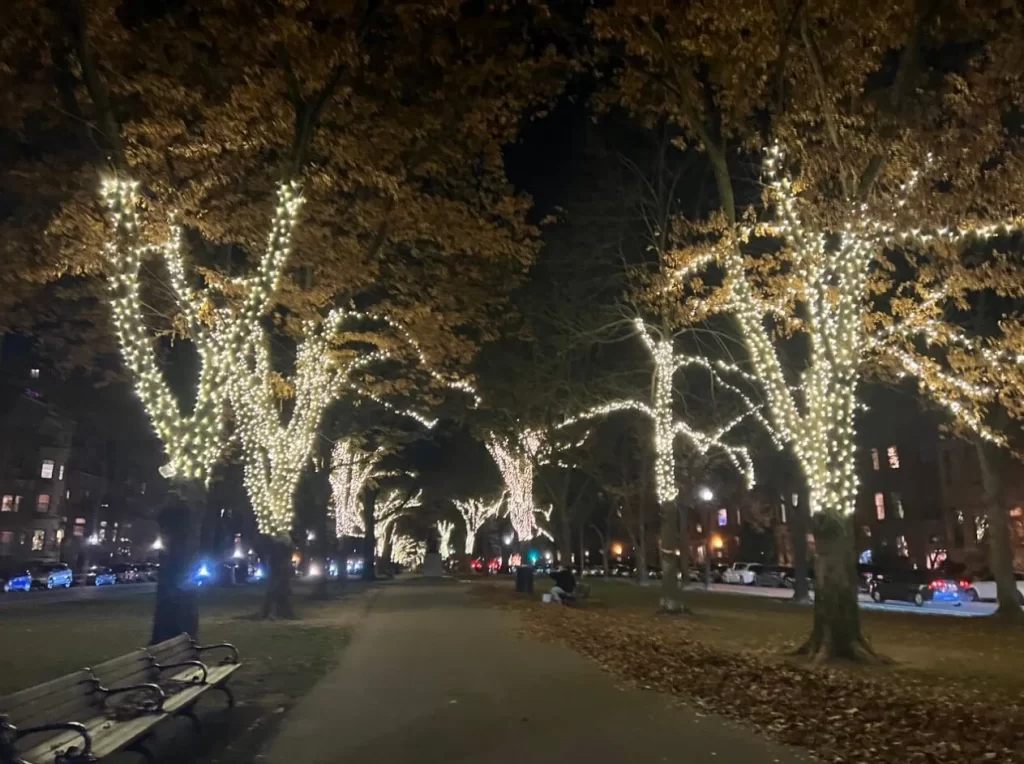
476, 512
444, 532
408, 552
666, 428
351, 468
515, 458
194, 442
831, 299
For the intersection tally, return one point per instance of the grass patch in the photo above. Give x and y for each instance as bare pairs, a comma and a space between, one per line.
282, 659
977, 654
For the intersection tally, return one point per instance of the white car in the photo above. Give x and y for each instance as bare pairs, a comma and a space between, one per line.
985, 589
741, 573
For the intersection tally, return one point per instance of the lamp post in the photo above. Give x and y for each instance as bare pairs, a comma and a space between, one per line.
706, 495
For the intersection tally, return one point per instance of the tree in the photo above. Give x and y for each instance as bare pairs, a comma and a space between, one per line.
397, 134
444, 537
476, 512
872, 232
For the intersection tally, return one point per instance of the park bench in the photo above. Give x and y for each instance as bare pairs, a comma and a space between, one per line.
578, 595
114, 706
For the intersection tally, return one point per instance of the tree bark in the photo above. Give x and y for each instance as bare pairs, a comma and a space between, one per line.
1008, 599
177, 593
798, 530
370, 538
277, 601
671, 594
836, 634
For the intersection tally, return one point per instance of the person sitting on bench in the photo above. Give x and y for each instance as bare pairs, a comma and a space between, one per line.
565, 584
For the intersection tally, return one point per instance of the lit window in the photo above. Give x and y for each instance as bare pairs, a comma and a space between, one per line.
43, 502
897, 502
59, 535
723, 517
7, 505
901, 546
60, 473
47, 470
38, 538
34, 373
880, 505
739, 519
700, 528
142, 489
795, 499
894, 458
876, 462
17, 503
6, 538
782, 507
78, 531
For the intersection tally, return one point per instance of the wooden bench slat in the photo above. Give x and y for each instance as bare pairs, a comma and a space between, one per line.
74, 698
54, 686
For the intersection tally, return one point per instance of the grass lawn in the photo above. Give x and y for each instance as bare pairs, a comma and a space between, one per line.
281, 659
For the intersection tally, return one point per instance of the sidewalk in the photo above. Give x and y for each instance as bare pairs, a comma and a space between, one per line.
430, 678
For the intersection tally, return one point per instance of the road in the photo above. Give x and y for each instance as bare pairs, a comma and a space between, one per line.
432, 677
75, 594
963, 610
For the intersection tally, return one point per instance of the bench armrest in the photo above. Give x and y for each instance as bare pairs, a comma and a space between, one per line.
161, 667
222, 646
148, 686
11, 734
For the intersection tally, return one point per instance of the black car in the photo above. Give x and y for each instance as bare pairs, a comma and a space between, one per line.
915, 586
776, 576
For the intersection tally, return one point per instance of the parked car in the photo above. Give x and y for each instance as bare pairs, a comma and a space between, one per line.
717, 571
916, 586
775, 576
984, 588
15, 578
126, 572
148, 571
98, 575
742, 573
51, 575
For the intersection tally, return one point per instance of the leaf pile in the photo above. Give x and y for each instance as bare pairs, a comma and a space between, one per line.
842, 716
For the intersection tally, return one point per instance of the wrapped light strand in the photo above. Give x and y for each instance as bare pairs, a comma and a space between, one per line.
476, 512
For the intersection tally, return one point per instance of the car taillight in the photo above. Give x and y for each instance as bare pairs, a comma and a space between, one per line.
965, 584
935, 585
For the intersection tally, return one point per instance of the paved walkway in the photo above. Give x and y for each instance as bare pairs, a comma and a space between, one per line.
430, 678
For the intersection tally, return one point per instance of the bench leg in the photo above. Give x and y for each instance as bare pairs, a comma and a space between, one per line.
227, 692
191, 714
140, 748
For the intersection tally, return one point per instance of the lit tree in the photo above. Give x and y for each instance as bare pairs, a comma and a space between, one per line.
668, 428
408, 552
515, 457
476, 512
351, 469
857, 242
390, 506
444, 534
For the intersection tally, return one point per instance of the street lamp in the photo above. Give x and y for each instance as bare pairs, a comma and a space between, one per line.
156, 545
509, 538
706, 494
93, 540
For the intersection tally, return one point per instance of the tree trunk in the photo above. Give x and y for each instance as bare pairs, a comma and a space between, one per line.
798, 530
683, 513
671, 600
277, 602
177, 595
582, 561
836, 634
1008, 599
370, 539
708, 536
642, 577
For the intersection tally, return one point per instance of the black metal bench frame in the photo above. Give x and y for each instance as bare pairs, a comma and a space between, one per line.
10, 734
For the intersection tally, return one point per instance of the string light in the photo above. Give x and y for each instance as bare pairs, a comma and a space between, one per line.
476, 512
351, 468
515, 458
408, 552
831, 269
444, 532
666, 428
